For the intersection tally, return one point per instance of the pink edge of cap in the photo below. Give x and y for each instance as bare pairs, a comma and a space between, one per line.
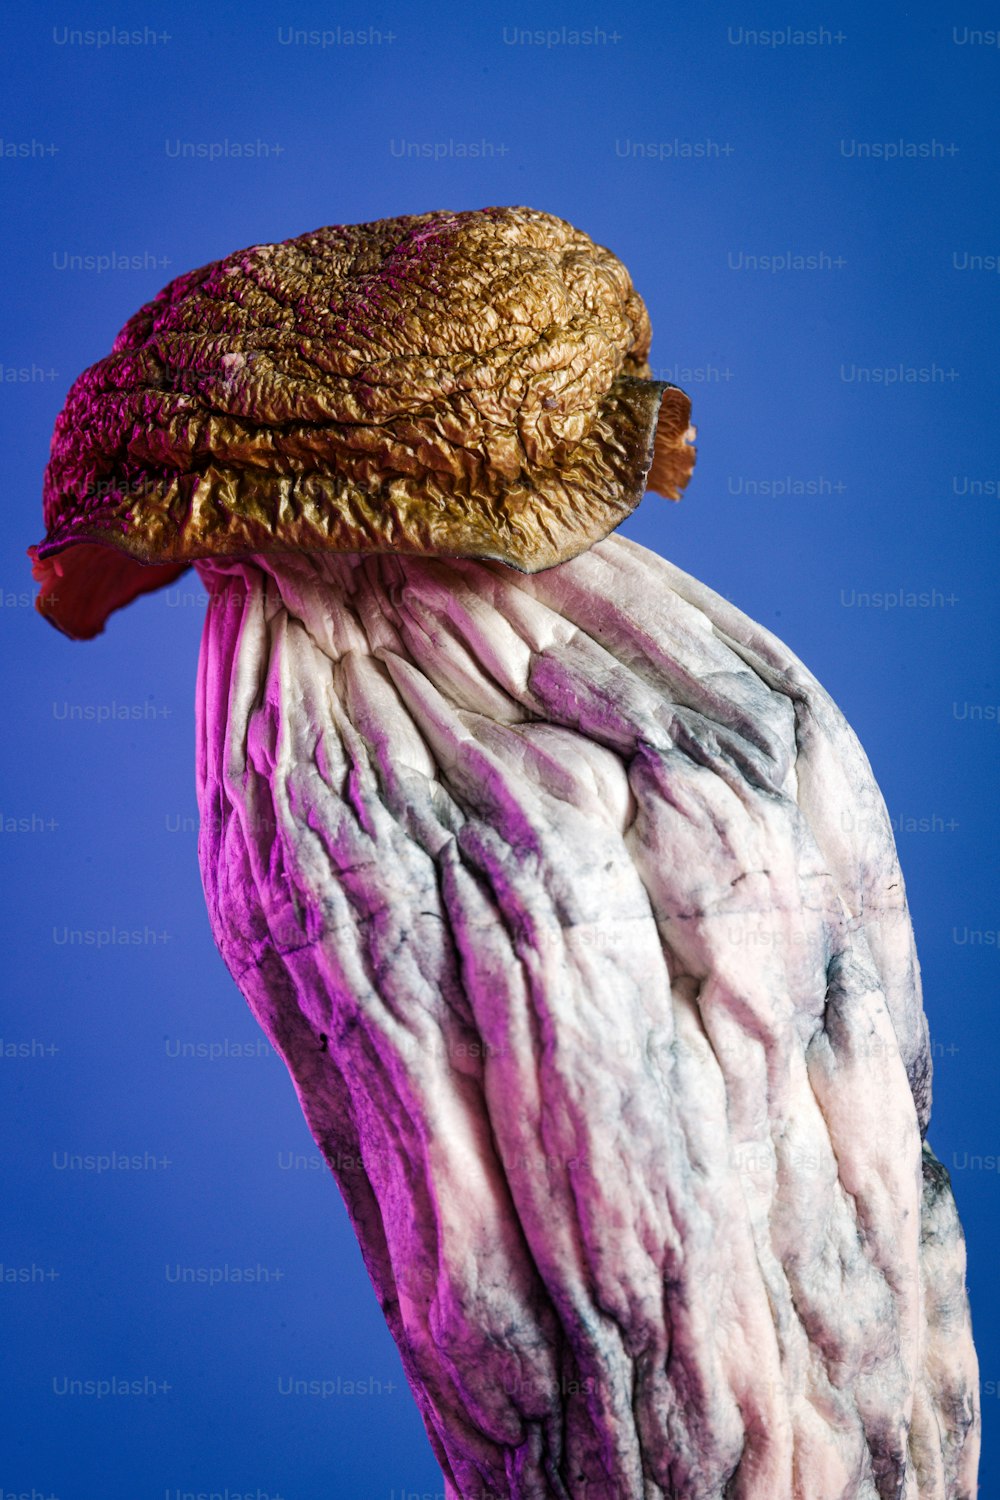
86, 582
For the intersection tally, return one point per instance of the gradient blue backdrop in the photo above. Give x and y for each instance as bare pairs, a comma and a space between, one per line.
888, 488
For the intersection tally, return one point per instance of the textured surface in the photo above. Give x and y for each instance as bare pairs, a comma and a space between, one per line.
467, 384
602, 1002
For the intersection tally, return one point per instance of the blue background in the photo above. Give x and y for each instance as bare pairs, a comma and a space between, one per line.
98, 817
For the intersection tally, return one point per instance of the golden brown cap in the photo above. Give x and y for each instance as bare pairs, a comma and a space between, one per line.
465, 384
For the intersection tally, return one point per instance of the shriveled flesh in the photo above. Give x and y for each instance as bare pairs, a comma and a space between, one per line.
470, 384
573, 907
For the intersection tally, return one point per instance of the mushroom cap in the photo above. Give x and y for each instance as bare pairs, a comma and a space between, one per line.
458, 384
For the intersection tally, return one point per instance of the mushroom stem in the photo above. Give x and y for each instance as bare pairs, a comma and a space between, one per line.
574, 909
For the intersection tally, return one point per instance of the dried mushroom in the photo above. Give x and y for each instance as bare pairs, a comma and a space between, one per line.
541, 866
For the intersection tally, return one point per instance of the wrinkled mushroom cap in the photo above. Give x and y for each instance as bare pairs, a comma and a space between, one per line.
462, 384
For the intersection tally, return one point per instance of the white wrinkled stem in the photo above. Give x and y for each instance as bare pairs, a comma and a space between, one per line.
573, 906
